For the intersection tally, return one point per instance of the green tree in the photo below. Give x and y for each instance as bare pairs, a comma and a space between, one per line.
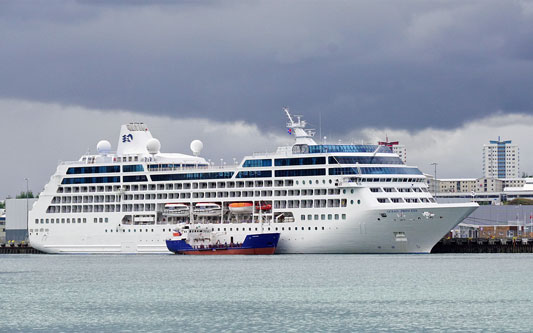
520, 201
24, 195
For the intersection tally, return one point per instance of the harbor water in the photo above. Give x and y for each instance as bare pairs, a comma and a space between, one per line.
287, 293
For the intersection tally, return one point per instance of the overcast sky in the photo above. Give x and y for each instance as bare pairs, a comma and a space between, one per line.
443, 77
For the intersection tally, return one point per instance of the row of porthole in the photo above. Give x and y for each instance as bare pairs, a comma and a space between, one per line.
276, 229
311, 182
358, 202
57, 221
351, 191
135, 230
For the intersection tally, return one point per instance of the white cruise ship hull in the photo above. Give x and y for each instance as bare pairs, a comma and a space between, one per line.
403, 230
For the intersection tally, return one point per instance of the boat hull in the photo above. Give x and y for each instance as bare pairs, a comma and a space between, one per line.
256, 244
258, 251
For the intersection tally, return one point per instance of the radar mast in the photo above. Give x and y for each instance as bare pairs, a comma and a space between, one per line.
302, 136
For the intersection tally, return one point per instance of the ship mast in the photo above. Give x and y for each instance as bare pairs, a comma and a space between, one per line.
297, 128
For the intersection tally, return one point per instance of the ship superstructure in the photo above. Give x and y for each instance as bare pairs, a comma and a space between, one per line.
320, 198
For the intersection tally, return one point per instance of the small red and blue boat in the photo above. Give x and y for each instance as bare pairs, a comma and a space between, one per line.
205, 242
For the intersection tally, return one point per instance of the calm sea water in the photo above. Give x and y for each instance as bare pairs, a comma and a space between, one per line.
293, 293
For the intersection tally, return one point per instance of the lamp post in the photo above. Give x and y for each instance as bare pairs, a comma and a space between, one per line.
435, 180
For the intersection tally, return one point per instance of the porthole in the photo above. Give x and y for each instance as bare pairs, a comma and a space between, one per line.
303, 182
358, 202
351, 191
343, 191
351, 202
330, 181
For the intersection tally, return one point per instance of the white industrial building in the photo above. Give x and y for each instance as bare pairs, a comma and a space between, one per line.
17, 218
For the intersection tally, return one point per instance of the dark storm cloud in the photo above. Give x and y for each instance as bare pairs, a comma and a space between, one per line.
407, 64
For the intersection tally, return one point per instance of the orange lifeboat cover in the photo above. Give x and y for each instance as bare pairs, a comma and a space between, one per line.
240, 204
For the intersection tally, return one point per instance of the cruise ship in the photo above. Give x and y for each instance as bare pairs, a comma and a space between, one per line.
321, 198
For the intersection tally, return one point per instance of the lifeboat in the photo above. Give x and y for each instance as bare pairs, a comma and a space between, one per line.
241, 208
207, 209
264, 207
176, 209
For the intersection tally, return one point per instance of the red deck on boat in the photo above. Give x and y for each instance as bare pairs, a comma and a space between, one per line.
260, 251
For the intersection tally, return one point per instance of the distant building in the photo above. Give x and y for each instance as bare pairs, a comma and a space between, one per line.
501, 221
501, 159
491, 191
396, 147
17, 218
2, 225
465, 185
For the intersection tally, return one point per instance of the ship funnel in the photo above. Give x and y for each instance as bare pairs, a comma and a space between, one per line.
133, 139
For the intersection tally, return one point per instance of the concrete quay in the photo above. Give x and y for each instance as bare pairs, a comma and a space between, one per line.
18, 248
484, 245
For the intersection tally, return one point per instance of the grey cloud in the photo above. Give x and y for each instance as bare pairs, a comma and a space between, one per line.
405, 65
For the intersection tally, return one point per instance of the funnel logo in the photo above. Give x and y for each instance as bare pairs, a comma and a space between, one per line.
127, 138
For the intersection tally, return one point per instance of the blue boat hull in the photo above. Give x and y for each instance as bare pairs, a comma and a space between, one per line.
253, 244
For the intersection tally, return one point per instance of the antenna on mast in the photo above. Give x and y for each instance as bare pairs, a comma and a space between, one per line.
286, 109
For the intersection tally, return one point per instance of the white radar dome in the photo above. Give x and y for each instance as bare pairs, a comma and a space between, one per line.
103, 147
196, 147
153, 146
